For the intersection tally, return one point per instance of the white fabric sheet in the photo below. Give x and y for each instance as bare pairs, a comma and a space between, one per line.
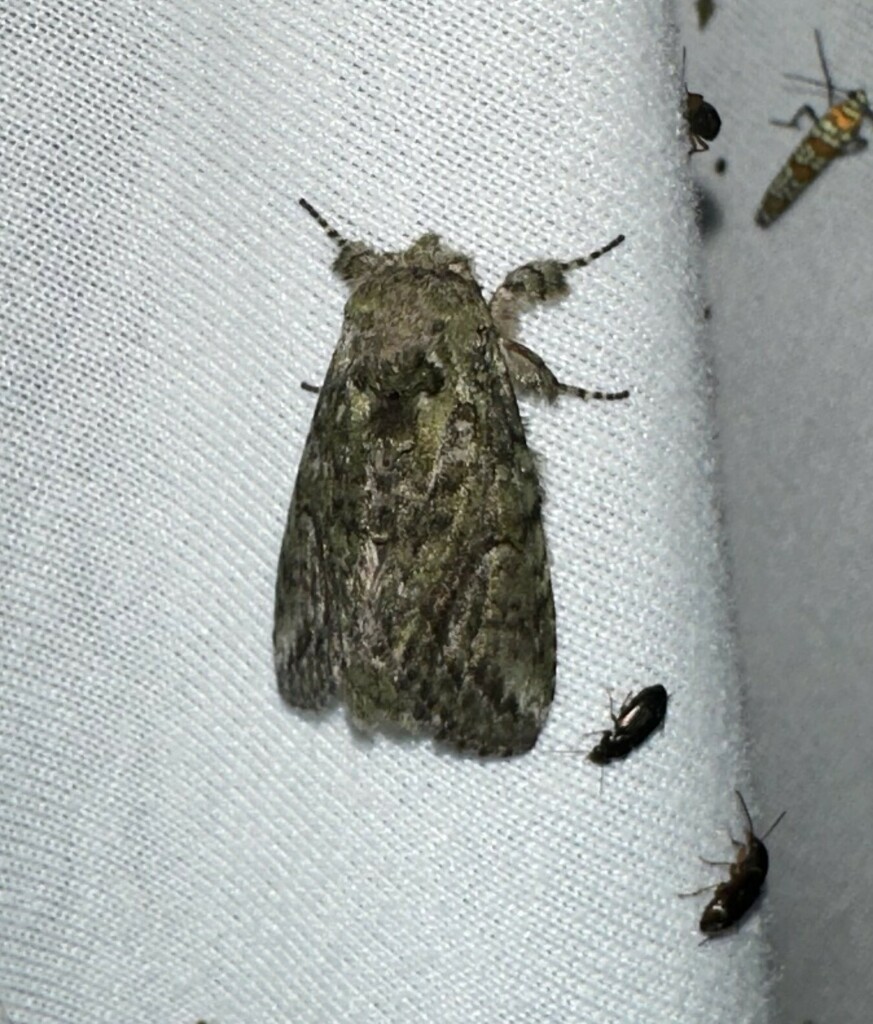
177, 844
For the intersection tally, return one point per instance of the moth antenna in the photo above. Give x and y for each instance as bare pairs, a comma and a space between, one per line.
331, 233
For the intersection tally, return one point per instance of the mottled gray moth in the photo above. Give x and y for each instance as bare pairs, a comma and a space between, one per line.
413, 578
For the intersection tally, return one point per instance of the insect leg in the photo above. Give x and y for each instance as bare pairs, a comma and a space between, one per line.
529, 372
697, 892
612, 713
806, 109
539, 281
624, 706
717, 863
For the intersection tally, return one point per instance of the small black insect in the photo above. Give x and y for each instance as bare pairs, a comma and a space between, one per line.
639, 716
704, 124
720, 165
733, 899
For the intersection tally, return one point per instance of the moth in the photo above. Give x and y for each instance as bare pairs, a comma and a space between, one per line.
413, 578
733, 899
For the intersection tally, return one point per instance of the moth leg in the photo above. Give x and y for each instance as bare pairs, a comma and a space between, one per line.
717, 863
529, 372
540, 281
795, 121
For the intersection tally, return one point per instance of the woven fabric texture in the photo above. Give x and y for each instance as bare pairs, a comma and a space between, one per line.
177, 844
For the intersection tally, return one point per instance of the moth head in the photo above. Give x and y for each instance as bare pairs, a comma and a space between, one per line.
429, 253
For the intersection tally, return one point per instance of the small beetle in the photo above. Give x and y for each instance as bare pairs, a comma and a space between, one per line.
637, 719
733, 899
703, 121
704, 124
639, 716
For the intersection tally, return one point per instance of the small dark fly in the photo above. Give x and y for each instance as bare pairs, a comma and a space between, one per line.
732, 899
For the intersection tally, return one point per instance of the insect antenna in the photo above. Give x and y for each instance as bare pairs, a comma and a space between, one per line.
749, 821
331, 233
824, 66
749, 818
583, 261
830, 88
775, 823
828, 83
593, 732
796, 76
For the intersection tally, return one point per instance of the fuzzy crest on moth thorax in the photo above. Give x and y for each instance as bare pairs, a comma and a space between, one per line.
402, 328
